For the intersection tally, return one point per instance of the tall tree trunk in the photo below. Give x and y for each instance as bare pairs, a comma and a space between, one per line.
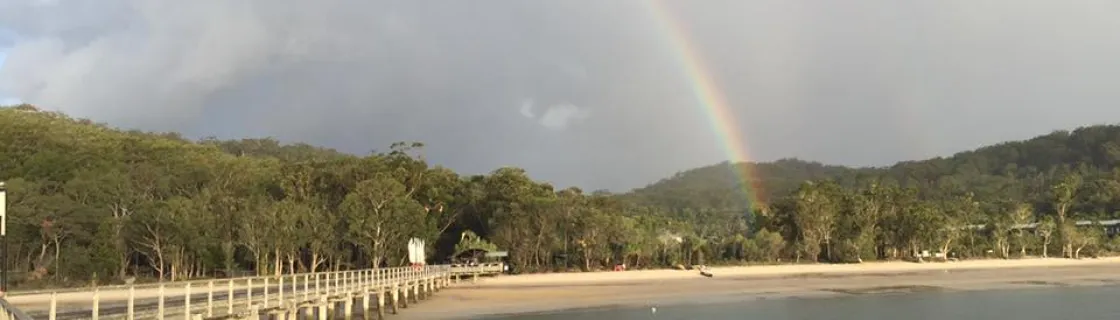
291, 263
298, 257
945, 248
159, 265
42, 255
1045, 246
827, 249
122, 263
174, 270
586, 259
258, 264
279, 266
119, 213
315, 262
376, 261
189, 268
228, 258
57, 255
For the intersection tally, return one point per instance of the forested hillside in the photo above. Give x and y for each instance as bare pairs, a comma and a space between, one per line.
1012, 171
853, 214
718, 187
87, 201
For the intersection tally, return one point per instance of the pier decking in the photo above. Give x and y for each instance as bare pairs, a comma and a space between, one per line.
369, 294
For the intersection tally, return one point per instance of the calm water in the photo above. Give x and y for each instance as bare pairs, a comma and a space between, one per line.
1076, 303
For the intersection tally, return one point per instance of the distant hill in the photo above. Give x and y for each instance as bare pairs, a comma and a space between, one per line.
718, 186
1001, 172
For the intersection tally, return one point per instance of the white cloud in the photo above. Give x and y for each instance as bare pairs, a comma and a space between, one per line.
558, 117
527, 109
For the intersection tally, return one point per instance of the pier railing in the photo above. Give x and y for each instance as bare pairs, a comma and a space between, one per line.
237, 297
9, 312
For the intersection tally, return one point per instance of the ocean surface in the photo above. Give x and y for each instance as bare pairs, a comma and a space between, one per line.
1069, 303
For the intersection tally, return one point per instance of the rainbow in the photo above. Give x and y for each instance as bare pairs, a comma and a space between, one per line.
713, 103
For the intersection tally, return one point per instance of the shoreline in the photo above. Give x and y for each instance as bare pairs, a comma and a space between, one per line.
505, 296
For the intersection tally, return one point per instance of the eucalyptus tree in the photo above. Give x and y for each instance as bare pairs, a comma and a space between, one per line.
817, 210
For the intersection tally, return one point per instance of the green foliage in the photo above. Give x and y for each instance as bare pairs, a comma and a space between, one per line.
87, 201
470, 241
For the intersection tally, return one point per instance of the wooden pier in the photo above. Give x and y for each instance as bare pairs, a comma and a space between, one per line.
368, 294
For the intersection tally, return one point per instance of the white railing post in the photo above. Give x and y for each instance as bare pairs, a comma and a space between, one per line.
266, 292
131, 302
160, 311
187, 302
229, 298
249, 293
96, 303
54, 306
210, 298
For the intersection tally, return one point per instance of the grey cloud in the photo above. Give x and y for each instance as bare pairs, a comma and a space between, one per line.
555, 117
853, 82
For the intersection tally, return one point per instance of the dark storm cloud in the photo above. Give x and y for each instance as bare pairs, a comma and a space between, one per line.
853, 82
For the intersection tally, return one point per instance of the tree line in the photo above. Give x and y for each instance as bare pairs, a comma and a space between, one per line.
89, 202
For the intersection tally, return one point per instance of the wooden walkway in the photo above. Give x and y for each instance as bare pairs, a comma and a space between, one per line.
370, 294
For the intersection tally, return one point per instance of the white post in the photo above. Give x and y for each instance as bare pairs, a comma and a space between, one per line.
160, 312
187, 302
229, 298
54, 306
210, 298
96, 303
131, 302
266, 292
249, 293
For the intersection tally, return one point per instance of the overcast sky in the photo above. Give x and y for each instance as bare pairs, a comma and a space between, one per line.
579, 92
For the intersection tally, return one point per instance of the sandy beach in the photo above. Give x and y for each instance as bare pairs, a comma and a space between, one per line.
560, 291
